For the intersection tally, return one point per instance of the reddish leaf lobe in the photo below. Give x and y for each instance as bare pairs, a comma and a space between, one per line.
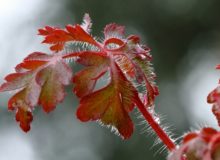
40, 79
52, 79
111, 104
24, 118
57, 37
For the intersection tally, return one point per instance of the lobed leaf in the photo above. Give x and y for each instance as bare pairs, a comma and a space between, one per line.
126, 61
57, 37
39, 79
111, 104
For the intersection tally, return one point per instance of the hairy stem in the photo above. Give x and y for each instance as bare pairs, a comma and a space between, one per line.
155, 126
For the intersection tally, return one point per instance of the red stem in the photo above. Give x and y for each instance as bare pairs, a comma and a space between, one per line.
155, 126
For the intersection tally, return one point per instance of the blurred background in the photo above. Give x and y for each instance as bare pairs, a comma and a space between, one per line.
185, 40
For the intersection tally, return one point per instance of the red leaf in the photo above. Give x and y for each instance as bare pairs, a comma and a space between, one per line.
106, 105
122, 58
111, 104
79, 34
57, 37
40, 79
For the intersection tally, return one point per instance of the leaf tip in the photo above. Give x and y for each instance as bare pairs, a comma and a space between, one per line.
24, 118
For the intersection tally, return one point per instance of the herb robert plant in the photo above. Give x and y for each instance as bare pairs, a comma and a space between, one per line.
40, 80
